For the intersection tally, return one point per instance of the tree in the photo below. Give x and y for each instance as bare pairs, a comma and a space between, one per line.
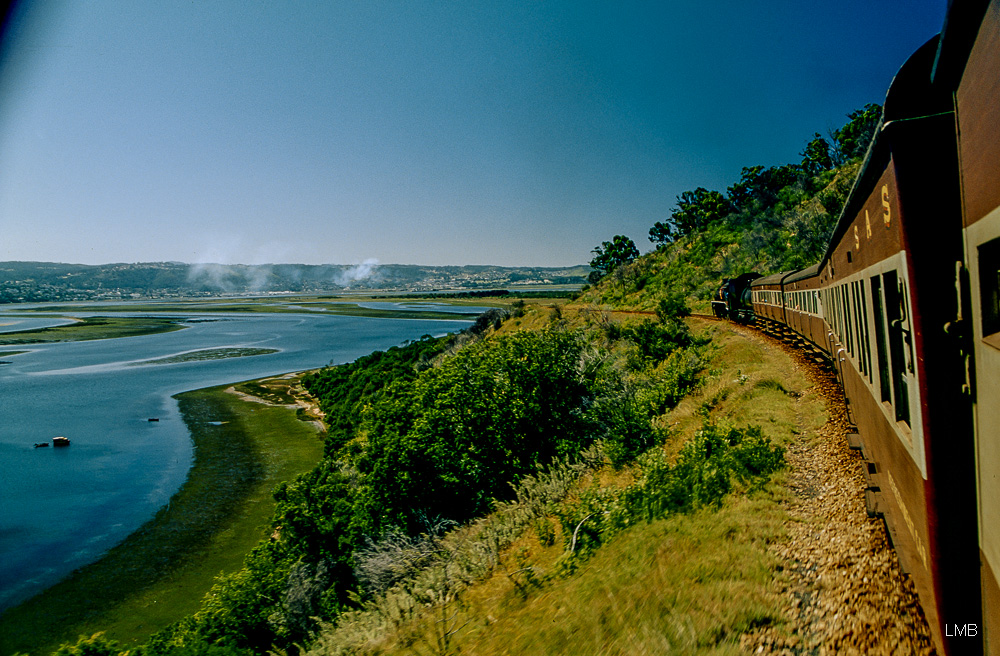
662, 233
698, 209
852, 140
758, 187
816, 157
612, 254
485, 417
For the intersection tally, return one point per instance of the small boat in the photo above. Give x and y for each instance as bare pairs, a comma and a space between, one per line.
153, 419
40, 444
60, 441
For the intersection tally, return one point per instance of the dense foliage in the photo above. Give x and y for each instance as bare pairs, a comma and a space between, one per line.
464, 430
342, 389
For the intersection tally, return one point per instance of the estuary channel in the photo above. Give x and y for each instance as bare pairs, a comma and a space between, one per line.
61, 508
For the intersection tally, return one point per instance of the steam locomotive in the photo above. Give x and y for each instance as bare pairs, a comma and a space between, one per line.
732, 300
906, 304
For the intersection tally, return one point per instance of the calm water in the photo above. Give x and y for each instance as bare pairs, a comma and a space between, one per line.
62, 508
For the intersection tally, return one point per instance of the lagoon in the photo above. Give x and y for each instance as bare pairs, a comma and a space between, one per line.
62, 508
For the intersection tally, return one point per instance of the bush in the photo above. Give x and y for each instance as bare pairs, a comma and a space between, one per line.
95, 645
487, 416
626, 404
707, 467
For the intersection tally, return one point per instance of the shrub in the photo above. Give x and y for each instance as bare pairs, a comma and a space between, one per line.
487, 416
95, 645
707, 467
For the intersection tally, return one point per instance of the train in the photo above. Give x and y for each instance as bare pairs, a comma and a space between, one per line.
732, 300
905, 304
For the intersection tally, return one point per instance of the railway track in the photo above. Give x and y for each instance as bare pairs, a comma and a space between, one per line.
841, 581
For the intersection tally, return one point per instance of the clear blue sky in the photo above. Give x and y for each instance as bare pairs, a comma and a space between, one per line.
502, 132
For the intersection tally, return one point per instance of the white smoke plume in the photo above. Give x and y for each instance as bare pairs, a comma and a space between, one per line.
217, 276
358, 272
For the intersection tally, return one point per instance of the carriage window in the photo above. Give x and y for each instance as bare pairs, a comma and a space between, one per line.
867, 349
859, 322
848, 317
836, 303
989, 286
880, 352
841, 295
840, 316
894, 318
843, 312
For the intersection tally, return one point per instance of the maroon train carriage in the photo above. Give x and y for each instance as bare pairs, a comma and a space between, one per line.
907, 301
802, 308
769, 302
888, 280
969, 65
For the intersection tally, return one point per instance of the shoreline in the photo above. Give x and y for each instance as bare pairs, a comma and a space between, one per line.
243, 447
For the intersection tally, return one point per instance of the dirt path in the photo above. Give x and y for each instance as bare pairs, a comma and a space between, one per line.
842, 582
289, 386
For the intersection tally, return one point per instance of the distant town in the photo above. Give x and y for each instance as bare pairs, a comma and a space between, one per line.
39, 282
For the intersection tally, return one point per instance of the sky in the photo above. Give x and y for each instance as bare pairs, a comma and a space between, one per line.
514, 133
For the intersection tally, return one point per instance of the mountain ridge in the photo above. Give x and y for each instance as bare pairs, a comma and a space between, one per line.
22, 282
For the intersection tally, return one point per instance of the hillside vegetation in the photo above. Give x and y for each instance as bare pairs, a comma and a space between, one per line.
560, 478
773, 219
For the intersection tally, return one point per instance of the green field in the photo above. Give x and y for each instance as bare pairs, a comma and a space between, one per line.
222, 353
160, 573
93, 328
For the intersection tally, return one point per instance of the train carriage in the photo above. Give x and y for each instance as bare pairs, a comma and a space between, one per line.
892, 269
906, 301
969, 63
768, 300
802, 309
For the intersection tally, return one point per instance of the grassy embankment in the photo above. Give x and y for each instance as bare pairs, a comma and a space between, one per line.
93, 328
687, 583
160, 573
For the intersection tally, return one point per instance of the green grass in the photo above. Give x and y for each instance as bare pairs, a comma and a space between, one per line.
94, 328
222, 353
160, 573
686, 584
320, 304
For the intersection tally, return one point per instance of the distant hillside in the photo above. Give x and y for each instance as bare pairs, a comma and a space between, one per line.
22, 282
